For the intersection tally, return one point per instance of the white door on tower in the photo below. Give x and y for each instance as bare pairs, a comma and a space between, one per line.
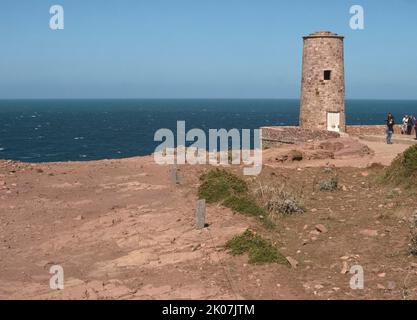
333, 121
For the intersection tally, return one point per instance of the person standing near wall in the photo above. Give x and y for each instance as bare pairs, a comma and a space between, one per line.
415, 127
390, 127
410, 125
404, 125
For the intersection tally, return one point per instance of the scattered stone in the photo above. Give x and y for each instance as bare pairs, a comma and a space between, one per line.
295, 155
315, 232
318, 287
382, 275
365, 174
196, 247
380, 286
345, 268
314, 210
292, 262
391, 285
321, 228
369, 233
80, 217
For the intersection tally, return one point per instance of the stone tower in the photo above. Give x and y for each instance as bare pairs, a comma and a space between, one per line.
323, 83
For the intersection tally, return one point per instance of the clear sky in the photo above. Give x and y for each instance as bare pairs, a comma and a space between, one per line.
199, 48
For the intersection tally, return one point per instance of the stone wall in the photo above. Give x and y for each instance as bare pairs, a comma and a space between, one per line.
370, 130
322, 51
294, 135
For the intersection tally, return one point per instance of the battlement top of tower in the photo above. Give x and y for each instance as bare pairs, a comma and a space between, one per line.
323, 34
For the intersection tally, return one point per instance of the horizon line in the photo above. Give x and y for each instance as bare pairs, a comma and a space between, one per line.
202, 98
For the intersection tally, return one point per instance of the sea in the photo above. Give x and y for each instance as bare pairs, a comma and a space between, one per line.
92, 129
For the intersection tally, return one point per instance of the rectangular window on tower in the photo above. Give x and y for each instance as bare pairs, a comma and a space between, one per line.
327, 75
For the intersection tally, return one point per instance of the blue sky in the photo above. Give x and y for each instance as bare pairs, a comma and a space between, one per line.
199, 48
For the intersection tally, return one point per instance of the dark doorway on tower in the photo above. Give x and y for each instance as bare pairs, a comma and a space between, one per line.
327, 74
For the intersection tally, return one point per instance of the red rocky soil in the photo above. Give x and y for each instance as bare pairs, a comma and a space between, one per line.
122, 230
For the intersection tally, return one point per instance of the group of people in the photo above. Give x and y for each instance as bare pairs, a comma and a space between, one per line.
409, 123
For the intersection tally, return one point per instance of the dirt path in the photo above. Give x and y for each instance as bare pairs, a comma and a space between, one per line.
385, 153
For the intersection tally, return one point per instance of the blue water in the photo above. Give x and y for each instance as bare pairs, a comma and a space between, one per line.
61, 130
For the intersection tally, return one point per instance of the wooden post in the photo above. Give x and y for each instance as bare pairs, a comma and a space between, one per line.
174, 175
201, 214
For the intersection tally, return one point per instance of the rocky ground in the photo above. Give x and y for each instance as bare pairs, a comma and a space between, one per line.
121, 229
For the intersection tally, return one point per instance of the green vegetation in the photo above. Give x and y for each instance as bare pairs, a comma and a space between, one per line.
329, 184
219, 185
259, 249
403, 170
244, 205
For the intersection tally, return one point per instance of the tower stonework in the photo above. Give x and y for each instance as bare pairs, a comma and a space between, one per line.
323, 83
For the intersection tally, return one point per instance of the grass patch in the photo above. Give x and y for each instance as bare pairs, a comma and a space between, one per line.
218, 185
259, 250
244, 205
403, 169
222, 186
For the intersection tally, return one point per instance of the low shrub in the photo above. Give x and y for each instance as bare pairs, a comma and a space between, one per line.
259, 250
329, 184
403, 169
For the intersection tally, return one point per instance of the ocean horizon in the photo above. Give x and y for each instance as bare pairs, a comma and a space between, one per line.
48, 130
